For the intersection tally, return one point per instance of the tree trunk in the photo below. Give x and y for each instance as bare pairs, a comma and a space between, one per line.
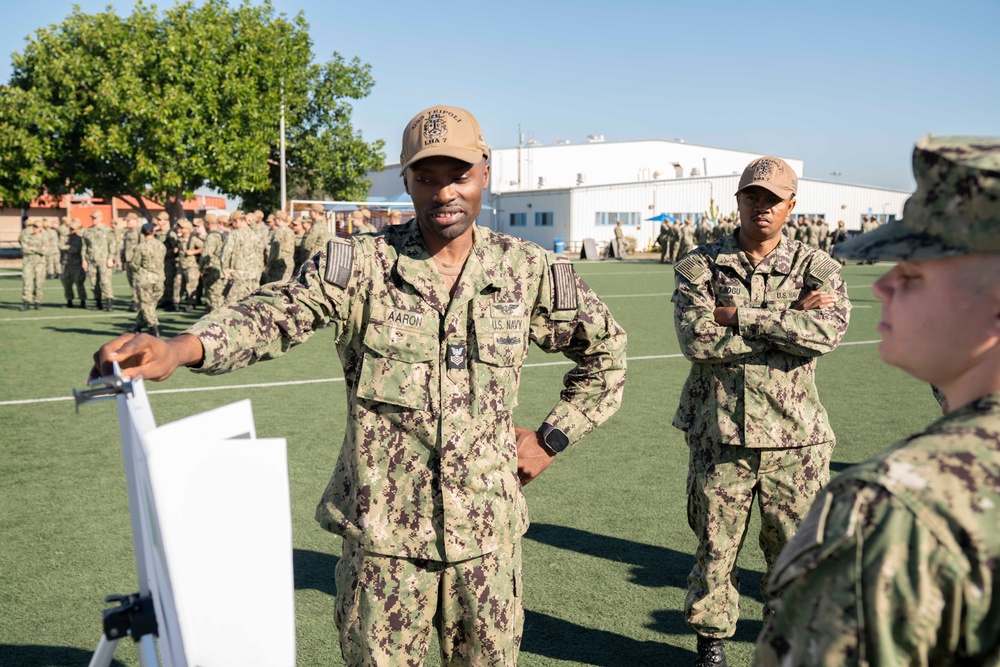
175, 206
140, 203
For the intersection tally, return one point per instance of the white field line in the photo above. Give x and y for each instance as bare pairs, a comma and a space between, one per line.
102, 313
116, 314
627, 296
292, 383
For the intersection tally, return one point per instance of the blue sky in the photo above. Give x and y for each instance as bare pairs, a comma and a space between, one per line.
848, 86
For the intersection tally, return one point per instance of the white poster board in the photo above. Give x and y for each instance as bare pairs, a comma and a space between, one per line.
211, 518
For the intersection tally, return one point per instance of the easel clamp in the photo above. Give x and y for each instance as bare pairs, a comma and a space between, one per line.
107, 387
134, 616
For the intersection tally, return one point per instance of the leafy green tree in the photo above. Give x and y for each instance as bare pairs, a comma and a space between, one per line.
159, 105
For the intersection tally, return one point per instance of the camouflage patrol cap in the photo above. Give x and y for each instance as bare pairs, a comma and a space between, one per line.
772, 174
184, 223
365, 213
280, 215
162, 215
132, 215
31, 222
442, 130
211, 218
97, 215
222, 218
955, 210
237, 215
318, 208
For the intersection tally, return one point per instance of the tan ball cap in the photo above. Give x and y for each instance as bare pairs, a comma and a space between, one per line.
442, 130
772, 174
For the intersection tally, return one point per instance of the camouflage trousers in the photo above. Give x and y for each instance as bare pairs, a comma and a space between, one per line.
722, 483
99, 276
169, 272
185, 283
387, 606
130, 276
52, 263
33, 276
73, 275
212, 286
149, 295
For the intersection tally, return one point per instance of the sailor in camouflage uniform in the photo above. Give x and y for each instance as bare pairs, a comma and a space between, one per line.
73, 274
210, 262
281, 259
33, 256
148, 260
318, 235
432, 321
753, 311
240, 272
130, 239
898, 563
99, 249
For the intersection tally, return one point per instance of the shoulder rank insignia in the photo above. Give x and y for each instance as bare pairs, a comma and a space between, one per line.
339, 262
690, 268
822, 268
563, 286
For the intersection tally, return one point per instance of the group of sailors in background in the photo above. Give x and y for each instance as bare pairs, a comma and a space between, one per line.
677, 238
209, 261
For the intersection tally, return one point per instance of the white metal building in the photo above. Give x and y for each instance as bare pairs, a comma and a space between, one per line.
577, 191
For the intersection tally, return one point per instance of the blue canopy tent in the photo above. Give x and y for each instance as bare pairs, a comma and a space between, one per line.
663, 216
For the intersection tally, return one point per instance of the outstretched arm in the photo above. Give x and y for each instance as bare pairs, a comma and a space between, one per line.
149, 357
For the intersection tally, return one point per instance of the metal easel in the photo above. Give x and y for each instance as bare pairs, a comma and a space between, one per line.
135, 614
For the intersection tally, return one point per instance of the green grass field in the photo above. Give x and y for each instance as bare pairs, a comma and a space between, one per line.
606, 558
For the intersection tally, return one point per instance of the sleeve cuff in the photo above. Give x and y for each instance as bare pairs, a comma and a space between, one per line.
213, 341
570, 421
755, 322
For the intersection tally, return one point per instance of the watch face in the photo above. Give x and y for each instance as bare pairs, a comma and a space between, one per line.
556, 439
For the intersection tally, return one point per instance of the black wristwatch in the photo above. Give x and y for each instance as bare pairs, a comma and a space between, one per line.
553, 439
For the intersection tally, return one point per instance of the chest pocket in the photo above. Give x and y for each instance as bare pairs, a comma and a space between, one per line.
398, 365
782, 299
501, 346
731, 294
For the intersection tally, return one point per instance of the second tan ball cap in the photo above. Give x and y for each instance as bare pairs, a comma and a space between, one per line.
772, 174
442, 130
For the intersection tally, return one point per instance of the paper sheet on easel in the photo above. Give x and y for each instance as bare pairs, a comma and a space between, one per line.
224, 518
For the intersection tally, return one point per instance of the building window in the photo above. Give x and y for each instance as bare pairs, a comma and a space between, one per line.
882, 218
611, 218
681, 217
518, 219
544, 219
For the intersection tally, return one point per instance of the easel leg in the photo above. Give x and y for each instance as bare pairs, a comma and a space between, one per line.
105, 652
147, 652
